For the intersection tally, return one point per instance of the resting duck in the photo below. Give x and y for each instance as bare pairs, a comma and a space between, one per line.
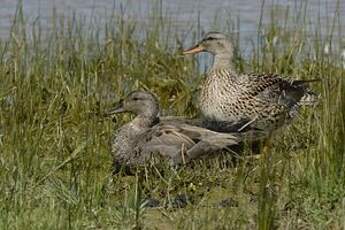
235, 102
176, 141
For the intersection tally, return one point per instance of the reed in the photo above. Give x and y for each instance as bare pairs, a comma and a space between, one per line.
55, 163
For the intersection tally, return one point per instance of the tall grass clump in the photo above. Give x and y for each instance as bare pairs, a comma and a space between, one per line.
55, 167
54, 143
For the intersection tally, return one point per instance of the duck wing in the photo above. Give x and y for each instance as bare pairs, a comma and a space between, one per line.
274, 88
208, 141
212, 125
182, 142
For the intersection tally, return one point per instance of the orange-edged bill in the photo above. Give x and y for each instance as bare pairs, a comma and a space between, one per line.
194, 49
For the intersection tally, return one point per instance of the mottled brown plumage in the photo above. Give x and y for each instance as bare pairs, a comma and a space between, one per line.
255, 101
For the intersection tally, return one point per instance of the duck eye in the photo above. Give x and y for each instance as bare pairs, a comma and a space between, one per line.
136, 99
211, 38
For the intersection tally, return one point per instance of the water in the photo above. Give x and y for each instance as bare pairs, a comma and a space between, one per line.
183, 14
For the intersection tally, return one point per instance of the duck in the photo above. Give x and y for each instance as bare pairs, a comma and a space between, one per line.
233, 102
175, 141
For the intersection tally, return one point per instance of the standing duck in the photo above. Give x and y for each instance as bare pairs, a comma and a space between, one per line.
135, 142
235, 102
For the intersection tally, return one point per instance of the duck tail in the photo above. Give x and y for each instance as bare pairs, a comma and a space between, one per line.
309, 99
304, 82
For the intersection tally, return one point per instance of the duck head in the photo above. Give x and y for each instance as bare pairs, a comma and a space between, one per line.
141, 103
214, 43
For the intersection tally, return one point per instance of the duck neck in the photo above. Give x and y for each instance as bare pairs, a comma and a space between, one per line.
222, 61
144, 121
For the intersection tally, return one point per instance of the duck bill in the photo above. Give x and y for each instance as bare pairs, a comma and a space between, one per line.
195, 49
118, 109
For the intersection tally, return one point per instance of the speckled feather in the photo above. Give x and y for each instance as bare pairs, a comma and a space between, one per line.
269, 101
264, 102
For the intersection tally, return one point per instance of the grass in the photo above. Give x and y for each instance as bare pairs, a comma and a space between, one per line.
55, 162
